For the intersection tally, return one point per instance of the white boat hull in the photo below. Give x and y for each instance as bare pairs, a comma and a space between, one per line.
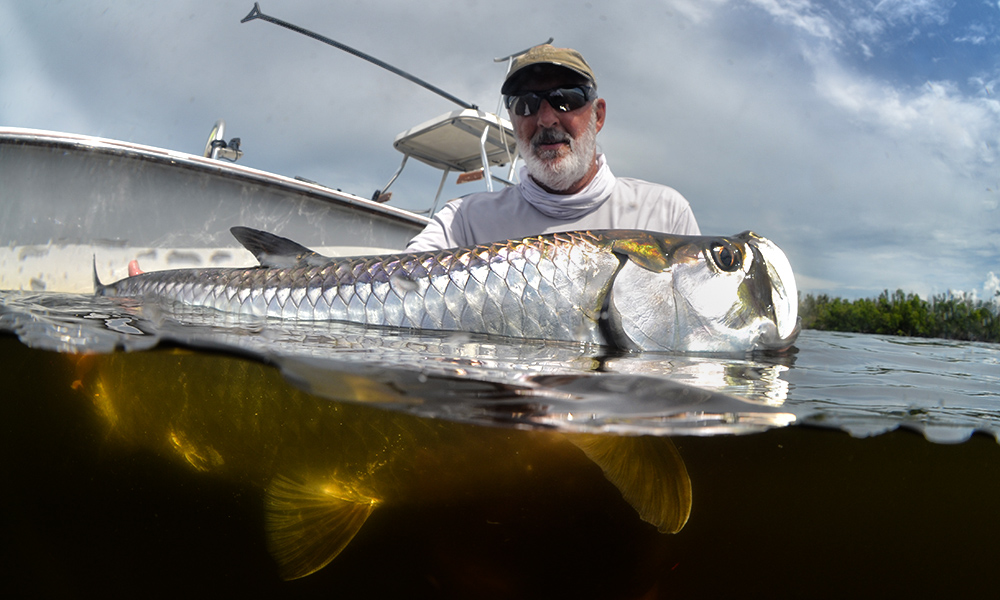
66, 200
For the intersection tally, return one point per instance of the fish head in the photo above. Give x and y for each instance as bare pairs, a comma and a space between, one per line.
705, 294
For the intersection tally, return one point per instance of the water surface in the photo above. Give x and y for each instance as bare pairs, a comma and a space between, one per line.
863, 384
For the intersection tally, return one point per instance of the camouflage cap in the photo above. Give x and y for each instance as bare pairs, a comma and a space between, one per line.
545, 55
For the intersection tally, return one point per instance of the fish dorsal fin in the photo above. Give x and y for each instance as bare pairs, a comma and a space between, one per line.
648, 471
308, 525
275, 251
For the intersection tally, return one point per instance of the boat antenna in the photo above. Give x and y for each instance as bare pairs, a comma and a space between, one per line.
525, 51
256, 14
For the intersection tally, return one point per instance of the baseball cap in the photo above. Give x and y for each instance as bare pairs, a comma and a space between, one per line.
545, 55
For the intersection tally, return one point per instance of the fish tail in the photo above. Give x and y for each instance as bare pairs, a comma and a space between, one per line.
309, 525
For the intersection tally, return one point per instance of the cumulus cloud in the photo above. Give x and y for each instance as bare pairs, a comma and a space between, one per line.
960, 129
991, 287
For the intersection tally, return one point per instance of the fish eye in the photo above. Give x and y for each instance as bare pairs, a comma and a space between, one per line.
727, 257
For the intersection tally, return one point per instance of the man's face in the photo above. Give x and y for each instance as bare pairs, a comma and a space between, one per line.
558, 147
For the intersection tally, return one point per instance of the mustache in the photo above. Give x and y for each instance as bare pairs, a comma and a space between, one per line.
550, 136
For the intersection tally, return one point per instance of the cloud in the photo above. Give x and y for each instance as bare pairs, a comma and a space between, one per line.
914, 12
976, 34
960, 129
696, 11
877, 166
802, 15
991, 287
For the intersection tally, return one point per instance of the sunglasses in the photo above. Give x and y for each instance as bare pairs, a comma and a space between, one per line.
563, 99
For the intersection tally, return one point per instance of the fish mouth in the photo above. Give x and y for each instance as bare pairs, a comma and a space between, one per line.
784, 297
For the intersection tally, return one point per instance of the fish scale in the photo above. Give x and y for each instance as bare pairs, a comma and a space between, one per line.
531, 288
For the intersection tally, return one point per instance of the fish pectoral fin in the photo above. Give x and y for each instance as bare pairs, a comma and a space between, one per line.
275, 251
309, 524
644, 249
648, 471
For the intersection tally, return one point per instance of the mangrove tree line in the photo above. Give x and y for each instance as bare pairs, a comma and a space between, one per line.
943, 316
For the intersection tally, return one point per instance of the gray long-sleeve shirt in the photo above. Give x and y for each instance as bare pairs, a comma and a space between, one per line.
493, 216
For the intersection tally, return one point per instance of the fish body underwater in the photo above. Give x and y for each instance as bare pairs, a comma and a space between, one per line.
325, 467
632, 290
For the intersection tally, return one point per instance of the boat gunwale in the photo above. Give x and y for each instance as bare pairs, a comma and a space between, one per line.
79, 142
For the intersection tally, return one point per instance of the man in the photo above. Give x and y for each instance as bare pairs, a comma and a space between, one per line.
565, 185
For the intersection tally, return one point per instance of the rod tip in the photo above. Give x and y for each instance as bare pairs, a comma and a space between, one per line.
254, 14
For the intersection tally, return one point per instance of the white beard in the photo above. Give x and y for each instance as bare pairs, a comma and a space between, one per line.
556, 173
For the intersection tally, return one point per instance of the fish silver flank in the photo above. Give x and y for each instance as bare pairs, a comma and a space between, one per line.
631, 290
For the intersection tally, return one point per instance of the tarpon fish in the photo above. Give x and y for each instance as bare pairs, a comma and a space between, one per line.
631, 290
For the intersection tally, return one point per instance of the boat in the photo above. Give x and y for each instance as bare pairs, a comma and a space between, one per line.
73, 203
69, 201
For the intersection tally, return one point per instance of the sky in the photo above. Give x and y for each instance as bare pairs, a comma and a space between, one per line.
861, 136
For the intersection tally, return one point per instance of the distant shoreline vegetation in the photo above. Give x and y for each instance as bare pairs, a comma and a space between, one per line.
943, 316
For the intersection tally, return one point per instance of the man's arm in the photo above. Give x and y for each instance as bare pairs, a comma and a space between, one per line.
438, 234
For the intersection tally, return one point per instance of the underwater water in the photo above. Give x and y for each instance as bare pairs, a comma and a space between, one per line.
151, 451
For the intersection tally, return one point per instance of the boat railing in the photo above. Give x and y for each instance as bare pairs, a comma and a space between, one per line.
218, 148
467, 141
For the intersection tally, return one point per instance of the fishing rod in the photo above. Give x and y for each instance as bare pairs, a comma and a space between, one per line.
507, 59
256, 14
